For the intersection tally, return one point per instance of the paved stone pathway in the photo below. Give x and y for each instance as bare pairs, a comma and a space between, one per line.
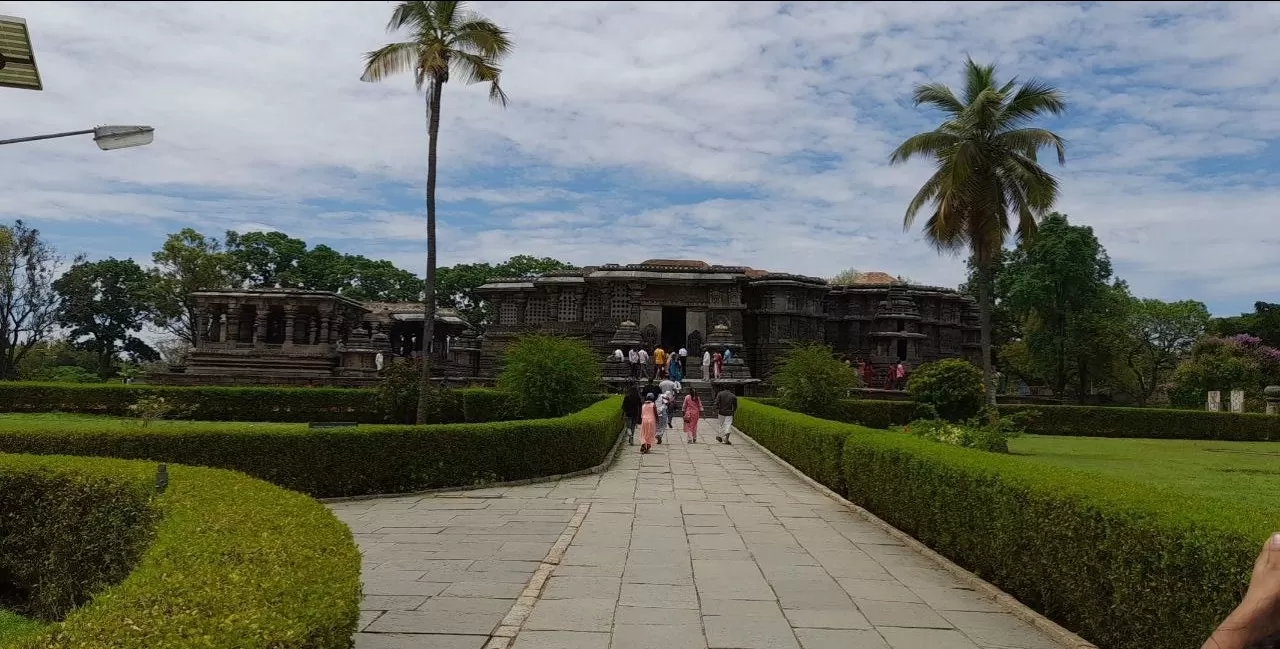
693, 546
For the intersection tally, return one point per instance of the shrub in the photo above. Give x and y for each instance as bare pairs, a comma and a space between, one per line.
248, 403
343, 461
232, 562
1125, 565
810, 379
984, 432
1157, 423
953, 387
550, 376
815, 450
1240, 362
151, 407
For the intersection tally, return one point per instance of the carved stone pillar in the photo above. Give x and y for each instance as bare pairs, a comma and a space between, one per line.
233, 323
290, 314
324, 329
260, 325
312, 329
521, 303
223, 318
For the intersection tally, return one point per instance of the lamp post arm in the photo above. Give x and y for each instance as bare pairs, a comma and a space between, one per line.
50, 136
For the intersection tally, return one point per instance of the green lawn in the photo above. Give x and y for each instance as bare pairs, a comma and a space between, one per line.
1242, 472
13, 626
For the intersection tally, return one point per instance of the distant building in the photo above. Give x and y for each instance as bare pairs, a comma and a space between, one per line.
311, 337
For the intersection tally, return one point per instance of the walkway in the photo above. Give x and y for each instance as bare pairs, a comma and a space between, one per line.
692, 546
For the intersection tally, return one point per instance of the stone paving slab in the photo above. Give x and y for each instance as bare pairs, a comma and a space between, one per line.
694, 546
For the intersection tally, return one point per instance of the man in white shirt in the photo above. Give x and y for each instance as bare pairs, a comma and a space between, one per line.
706, 366
633, 359
644, 363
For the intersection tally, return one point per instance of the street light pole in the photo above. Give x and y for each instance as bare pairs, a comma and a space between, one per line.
106, 137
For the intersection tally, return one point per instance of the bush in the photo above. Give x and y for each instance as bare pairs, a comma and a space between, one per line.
1235, 362
550, 376
810, 379
247, 404
231, 563
343, 461
953, 387
398, 399
1126, 565
984, 432
1156, 423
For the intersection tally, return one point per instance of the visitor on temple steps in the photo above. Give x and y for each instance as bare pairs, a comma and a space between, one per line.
684, 358
717, 365
706, 366
674, 370
644, 364
726, 405
868, 374
659, 362
690, 412
648, 425
631, 413
633, 358
899, 376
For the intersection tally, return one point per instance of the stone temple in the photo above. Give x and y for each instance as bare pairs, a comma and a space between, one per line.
295, 337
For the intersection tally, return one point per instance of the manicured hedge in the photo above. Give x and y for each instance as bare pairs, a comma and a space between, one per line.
1158, 423
229, 562
344, 461
872, 413
248, 403
816, 451
1123, 564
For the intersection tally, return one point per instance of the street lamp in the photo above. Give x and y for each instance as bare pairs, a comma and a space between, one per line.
106, 137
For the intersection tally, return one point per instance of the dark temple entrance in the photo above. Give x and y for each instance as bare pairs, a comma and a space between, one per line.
673, 323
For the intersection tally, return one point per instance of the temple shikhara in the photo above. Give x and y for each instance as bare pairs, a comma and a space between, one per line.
292, 337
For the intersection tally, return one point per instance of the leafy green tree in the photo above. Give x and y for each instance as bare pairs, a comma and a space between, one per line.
381, 280
530, 266
456, 285
550, 376
1057, 285
266, 259
952, 386
56, 360
444, 37
846, 277
104, 303
1239, 362
1264, 323
28, 303
1155, 336
810, 379
187, 262
987, 181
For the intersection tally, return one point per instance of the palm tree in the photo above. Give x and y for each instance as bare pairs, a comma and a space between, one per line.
444, 38
986, 173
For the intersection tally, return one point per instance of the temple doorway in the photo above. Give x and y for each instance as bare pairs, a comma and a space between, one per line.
673, 327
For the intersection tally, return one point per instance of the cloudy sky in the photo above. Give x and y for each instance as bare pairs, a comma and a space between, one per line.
739, 133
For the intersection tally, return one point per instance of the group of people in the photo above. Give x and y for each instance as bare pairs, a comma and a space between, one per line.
652, 409
895, 377
670, 364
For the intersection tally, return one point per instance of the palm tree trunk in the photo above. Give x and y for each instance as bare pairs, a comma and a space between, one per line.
429, 286
984, 319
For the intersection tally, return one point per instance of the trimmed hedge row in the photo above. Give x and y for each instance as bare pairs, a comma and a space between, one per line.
249, 403
231, 562
344, 461
1123, 564
872, 413
1156, 423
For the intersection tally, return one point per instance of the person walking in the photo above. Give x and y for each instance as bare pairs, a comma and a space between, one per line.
900, 376
674, 370
659, 362
648, 425
631, 413
644, 363
868, 375
684, 358
633, 359
726, 405
706, 366
690, 412
663, 408
717, 365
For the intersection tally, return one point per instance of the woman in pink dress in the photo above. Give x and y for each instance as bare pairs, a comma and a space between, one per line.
691, 410
648, 425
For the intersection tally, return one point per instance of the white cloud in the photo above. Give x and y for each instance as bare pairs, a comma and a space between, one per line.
748, 133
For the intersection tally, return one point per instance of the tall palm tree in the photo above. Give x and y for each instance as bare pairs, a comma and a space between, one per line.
988, 183
444, 38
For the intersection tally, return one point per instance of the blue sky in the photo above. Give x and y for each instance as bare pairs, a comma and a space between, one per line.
739, 133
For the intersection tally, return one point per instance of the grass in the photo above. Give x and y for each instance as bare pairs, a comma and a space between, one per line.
1247, 473
14, 626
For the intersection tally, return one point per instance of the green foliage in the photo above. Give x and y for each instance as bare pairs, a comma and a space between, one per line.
250, 404
1057, 285
105, 303
1126, 565
549, 376
814, 450
28, 303
872, 413
1240, 362
1264, 323
151, 407
208, 532
953, 387
14, 626
187, 262
64, 374
1155, 423
341, 461
398, 399
984, 432
456, 285
265, 259
1154, 337
810, 379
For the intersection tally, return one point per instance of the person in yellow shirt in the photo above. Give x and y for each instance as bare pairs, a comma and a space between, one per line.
659, 362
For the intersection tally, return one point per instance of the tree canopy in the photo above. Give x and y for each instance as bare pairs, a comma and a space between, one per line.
103, 304
28, 303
